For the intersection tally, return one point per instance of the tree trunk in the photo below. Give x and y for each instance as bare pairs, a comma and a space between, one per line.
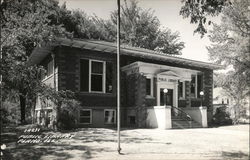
22, 107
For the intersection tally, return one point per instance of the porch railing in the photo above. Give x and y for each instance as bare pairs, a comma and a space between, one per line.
181, 114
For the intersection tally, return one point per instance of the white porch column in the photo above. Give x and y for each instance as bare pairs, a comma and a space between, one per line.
203, 111
159, 117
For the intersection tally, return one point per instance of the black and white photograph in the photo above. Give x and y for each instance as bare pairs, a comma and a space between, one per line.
125, 79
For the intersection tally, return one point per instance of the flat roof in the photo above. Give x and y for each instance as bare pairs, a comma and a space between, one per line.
109, 47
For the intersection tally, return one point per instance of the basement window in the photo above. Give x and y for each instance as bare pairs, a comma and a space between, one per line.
85, 116
109, 116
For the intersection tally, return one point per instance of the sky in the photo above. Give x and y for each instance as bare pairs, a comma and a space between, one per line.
167, 12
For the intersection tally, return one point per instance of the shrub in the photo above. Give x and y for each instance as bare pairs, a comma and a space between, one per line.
222, 117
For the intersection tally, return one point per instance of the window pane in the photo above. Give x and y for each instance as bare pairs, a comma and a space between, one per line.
84, 120
148, 86
84, 113
109, 77
50, 68
97, 67
96, 83
180, 89
84, 75
109, 117
199, 84
193, 85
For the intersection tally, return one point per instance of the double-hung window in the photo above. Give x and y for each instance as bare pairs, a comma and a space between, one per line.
196, 85
85, 116
149, 86
96, 76
181, 89
48, 70
193, 87
109, 116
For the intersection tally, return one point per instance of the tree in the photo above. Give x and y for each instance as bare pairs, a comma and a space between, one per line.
24, 24
199, 10
231, 47
140, 28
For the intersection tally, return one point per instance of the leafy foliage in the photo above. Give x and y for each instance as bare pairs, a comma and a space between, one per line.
222, 117
199, 10
24, 25
141, 28
231, 48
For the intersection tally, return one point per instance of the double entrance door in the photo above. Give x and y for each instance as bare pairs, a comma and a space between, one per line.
166, 98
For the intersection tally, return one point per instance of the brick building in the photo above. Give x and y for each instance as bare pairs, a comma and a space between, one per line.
88, 68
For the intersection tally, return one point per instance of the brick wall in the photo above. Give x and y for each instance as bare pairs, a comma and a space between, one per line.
208, 92
68, 61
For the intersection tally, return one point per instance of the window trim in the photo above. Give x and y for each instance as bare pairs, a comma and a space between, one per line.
114, 116
151, 86
90, 73
103, 76
183, 89
151, 78
85, 116
195, 87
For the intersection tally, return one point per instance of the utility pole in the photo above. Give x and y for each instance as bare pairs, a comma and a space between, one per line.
118, 77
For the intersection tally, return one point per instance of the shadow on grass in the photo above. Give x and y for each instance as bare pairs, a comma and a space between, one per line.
69, 148
234, 155
51, 151
88, 135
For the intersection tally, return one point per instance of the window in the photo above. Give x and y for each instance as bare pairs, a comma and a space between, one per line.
85, 116
196, 85
96, 76
109, 77
181, 89
48, 70
84, 76
199, 84
193, 86
109, 116
148, 86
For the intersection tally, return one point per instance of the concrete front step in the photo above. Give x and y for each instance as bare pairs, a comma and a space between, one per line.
181, 124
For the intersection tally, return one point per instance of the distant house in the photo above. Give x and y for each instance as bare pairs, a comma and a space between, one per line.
221, 98
89, 69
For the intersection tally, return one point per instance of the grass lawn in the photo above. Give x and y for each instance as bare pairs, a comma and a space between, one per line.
228, 142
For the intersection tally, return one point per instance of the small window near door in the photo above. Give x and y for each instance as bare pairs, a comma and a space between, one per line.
193, 86
181, 89
109, 116
148, 86
85, 116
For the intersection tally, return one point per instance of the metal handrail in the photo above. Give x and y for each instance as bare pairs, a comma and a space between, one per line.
181, 113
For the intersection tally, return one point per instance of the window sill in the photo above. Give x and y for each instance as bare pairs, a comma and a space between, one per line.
109, 123
96, 93
150, 97
181, 98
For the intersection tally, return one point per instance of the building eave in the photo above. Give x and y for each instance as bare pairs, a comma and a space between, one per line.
108, 47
